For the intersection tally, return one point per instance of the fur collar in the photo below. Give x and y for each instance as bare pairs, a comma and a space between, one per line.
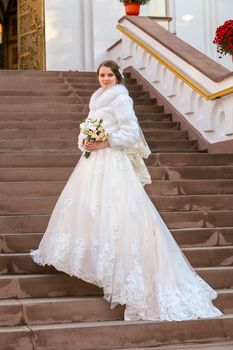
103, 97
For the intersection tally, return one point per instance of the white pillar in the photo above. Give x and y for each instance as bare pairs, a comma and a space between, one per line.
172, 13
210, 24
88, 38
157, 8
80, 38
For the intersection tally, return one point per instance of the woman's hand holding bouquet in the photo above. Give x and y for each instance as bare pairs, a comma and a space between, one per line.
96, 135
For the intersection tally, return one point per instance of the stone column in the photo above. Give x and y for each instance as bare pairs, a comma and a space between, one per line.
88, 35
209, 26
80, 36
172, 13
157, 8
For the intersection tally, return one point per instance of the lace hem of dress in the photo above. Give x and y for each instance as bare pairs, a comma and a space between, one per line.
193, 302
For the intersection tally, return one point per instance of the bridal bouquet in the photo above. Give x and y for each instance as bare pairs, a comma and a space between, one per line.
94, 131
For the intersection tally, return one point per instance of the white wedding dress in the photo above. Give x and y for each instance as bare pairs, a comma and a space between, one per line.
105, 230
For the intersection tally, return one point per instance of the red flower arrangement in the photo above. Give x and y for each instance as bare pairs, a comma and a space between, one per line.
224, 38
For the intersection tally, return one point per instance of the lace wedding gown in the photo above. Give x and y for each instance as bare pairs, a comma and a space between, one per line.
105, 230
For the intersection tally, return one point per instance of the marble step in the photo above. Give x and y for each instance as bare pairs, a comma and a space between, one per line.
189, 187
48, 74
185, 203
174, 220
30, 189
116, 334
90, 77
17, 117
59, 84
172, 145
43, 159
157, 188
46, 123
200, 237
21, 263
57, 310
40, 74
193, 202
197, 219
65, 90
35, 174
187, 238
70, 107
38, 311
71, 133
77, 116
45, 285
78, 77
30, 80
224, 345
59, 284
195, 160
191, 172
66, 100
38, 144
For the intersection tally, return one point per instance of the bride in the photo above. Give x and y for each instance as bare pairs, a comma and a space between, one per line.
105, 230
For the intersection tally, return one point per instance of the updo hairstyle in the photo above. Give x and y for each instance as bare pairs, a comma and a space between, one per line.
114, 68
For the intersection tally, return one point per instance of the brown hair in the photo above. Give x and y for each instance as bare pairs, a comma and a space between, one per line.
114, 68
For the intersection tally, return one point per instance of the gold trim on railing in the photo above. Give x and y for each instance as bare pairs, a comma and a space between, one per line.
204, 93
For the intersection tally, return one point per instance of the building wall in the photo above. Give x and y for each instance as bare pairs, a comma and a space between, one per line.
196, 23
78, 35
83, 31
63, 27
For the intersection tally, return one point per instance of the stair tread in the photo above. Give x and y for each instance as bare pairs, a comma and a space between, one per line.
228, 247
21, 276
111, 323
225, 345
71, 299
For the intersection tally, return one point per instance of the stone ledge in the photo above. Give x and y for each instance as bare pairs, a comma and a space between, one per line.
186, 52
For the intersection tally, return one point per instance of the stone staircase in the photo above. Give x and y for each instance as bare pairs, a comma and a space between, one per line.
41, 309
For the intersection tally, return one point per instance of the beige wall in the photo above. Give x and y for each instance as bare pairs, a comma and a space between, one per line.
199, 31
83, 30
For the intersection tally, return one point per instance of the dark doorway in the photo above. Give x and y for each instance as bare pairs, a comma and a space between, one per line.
2, 17
8, 34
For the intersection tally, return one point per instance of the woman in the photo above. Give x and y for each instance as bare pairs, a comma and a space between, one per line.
105, 230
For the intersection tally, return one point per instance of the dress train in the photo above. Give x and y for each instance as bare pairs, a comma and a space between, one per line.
105, 230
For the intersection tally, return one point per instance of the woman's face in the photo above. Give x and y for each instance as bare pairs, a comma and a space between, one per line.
107, 78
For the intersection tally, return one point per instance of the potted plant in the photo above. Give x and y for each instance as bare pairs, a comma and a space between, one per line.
132, 7
224, 38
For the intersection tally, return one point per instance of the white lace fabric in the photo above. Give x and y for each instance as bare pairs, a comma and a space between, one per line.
105, 230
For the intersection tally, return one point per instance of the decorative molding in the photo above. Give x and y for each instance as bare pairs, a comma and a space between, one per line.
31, 37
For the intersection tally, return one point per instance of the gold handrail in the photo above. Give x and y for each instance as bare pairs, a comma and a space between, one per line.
204, 93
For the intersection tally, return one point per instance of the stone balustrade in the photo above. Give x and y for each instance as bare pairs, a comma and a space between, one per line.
199, 88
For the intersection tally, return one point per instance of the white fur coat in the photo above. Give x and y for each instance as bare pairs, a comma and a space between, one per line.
115, 107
